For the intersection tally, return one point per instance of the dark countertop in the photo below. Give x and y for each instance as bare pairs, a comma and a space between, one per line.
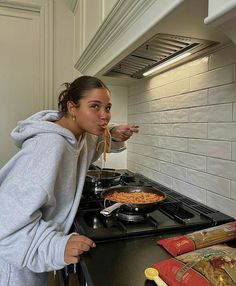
122, 262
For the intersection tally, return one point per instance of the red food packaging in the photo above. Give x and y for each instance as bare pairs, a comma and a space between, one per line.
211, 266
199, 239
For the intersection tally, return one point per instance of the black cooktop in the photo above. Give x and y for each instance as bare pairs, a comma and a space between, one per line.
175, 214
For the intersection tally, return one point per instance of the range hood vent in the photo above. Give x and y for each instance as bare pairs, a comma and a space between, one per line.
158, 50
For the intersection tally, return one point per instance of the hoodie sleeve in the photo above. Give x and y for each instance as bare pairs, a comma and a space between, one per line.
26, 239
29, 237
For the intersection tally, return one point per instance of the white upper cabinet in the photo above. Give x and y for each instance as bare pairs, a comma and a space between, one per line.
89, 15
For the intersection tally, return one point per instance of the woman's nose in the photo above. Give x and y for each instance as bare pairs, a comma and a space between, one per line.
103, 113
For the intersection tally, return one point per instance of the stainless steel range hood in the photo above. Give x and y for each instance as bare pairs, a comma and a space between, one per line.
137, 35
158, 52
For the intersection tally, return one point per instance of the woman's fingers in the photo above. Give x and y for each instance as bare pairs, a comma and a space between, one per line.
75, 246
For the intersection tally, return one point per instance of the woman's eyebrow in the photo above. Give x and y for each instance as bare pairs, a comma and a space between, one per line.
98, 101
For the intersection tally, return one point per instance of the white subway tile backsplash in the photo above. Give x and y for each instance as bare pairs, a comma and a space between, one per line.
222, 94
173, 143
222, 168
158, 177
151, 117
147, 96
172, 170
234, 151
195, 98
160, 104
234, 72
223, 57
145, 140
144, 129
150, 173
144, 161
142, 107
160, 80
152, 152
222, 204
131, 109
132, 166
196, 162
192, 130
177, 88
233, 190
215, 184
234, 112
187, 138
213, 113
220, 76
211, 148
138, 87
180, 115
161, 129
189, 190
190, 69
222, 131
184, 71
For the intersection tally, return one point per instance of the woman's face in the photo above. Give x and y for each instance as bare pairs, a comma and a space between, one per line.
94, 111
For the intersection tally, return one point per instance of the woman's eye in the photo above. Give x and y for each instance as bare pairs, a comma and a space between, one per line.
95, 106
108, 108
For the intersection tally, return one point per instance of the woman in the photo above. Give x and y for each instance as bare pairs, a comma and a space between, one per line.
40, 187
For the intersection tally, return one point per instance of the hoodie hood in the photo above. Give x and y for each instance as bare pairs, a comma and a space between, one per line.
39, 123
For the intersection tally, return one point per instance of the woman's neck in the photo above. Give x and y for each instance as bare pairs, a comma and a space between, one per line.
68, 123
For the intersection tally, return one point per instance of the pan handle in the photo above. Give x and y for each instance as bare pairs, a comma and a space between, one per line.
107, 211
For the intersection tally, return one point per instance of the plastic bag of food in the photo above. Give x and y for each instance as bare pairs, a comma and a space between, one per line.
211, 266
199, 239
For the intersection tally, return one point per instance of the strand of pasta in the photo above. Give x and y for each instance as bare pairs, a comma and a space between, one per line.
105, 140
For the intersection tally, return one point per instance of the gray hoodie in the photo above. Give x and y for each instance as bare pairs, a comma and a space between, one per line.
40, 190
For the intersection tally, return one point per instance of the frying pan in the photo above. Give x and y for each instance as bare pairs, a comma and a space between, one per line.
136, 208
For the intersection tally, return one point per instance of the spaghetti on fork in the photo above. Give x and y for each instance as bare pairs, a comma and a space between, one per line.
106, 142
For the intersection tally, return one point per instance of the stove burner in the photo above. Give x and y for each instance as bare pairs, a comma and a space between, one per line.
176, 213
130, 217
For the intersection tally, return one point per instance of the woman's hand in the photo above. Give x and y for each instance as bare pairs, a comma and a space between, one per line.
75, 246
122, 133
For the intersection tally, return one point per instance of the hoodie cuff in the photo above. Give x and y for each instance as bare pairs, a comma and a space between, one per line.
60, 247
117, 146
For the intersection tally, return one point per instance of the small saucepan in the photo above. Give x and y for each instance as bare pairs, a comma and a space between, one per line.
137, 207
102, 178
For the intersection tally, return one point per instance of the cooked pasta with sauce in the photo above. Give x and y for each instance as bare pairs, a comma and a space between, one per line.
134, 197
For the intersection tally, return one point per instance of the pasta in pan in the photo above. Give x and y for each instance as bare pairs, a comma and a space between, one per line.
134, 197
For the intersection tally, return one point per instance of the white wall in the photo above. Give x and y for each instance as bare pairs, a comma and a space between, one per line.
187, 139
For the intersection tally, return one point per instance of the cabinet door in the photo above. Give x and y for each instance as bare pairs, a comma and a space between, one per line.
88, 18
19, 72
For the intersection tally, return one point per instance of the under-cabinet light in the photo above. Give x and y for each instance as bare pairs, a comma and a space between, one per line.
166, 63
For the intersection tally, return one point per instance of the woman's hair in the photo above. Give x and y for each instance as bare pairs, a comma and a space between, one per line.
77, 90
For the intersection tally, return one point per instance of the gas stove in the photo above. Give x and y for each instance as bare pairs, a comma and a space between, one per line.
177, 213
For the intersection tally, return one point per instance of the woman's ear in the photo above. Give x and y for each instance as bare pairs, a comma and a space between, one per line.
71, 107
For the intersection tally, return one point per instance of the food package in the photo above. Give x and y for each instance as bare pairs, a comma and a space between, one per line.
199, 239
211, 266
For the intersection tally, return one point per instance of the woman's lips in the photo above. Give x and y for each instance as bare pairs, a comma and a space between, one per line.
103, 125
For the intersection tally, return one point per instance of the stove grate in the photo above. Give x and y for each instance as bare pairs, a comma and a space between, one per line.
204, 209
